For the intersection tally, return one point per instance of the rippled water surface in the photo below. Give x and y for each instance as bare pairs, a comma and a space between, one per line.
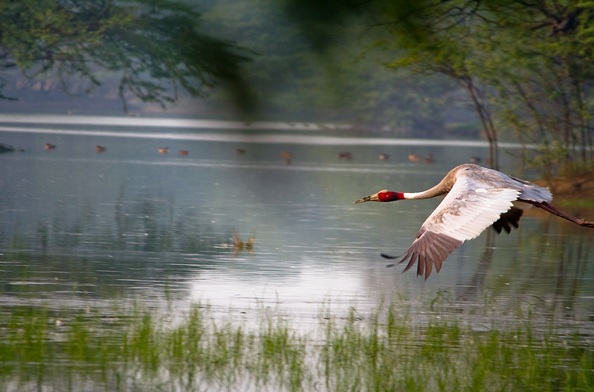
80, 227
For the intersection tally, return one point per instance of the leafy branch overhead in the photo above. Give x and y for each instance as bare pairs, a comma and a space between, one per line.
526, 65
154, 48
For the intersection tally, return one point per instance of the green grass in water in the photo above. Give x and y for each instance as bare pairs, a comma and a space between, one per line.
142, 349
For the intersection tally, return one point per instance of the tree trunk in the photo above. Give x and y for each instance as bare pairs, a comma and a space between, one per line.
486, 120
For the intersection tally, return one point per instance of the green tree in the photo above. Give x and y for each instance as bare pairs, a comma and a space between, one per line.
526, 65
324, 69
154, 48
548, 96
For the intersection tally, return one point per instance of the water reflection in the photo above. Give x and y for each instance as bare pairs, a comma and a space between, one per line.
131, 223
545, 273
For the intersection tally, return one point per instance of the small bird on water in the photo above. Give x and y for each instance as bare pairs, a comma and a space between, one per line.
476, 198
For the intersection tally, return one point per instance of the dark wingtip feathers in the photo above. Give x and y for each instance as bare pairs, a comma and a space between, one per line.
428, 251
508, 219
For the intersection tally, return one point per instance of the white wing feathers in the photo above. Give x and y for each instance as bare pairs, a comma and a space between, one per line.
469, 208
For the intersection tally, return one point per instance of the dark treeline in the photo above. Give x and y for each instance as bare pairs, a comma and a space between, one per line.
497, 69
149, 51
524, 67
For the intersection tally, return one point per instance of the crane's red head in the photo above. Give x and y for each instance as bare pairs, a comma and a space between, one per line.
383, 195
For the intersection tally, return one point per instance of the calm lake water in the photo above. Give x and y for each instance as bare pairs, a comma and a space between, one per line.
79, 227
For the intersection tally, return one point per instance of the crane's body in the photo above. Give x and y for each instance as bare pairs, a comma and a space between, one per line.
476, 198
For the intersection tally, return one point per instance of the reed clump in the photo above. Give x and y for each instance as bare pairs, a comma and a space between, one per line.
389, 349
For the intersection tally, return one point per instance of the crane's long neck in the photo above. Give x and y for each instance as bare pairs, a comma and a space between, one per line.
444, 186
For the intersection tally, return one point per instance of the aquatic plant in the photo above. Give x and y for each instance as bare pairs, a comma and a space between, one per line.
131, 347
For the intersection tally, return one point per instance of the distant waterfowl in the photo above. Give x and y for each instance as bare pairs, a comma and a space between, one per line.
49, 146
429, 159
239, 151
6, 148
287, 156
239, 245
346, 155
183, 153
476, 198
415, 158
163, 150
384, 157
100, 148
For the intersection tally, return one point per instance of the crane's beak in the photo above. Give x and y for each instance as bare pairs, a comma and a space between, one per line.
367, 198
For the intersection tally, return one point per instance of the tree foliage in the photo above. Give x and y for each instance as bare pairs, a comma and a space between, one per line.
154, 47
526, 65
326, 66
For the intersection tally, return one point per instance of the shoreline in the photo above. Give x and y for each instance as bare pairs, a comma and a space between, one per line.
573, 194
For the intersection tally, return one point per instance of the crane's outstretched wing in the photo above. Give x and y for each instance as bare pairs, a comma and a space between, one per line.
469, 208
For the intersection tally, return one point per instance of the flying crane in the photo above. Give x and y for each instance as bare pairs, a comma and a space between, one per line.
476, 198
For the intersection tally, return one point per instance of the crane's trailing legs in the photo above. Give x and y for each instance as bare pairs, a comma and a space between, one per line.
549, 208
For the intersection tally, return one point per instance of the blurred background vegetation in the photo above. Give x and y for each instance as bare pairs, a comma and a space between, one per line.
490, 69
